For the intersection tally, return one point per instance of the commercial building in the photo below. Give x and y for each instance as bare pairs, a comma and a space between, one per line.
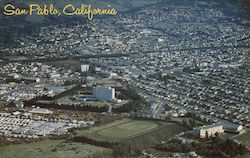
104, 93
210, 130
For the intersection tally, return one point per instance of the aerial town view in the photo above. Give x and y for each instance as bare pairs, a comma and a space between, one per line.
148, 79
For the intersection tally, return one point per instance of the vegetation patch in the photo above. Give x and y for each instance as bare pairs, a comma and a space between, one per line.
210, 148
52, 149
244, 138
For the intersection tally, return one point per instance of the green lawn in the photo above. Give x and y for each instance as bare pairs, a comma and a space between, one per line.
120, 130
244, 138
226, 135
49, 149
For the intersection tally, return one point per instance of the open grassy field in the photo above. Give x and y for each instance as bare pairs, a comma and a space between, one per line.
49, 149
121, 130
247, 155
226, 135
244, 138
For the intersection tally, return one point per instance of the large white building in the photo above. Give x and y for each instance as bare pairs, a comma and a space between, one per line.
84, 67
209, 130
104, 93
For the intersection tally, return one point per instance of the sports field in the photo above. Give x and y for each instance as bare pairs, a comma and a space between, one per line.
50, 149
120, 130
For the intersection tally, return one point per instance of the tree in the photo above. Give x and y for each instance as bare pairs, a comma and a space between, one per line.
207, 136
223, 154
184, 123
216, 134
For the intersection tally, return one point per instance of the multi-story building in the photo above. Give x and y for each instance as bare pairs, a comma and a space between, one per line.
104, 93
209, 131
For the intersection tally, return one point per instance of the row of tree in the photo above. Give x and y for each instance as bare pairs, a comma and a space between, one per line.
87, 107
133, 146
213, 147
134, 105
